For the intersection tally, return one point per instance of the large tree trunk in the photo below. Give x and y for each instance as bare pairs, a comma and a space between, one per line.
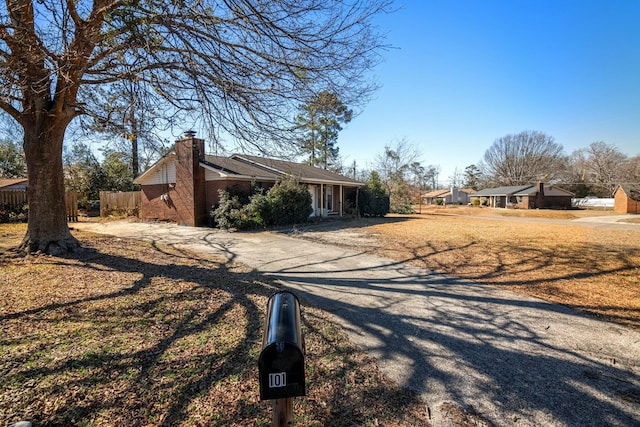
47, 230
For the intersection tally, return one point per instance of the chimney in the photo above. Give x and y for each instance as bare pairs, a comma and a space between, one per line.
540, 199
455, 196
189, 199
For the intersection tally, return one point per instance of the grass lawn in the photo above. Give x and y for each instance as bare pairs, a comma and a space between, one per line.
126, 333
594, 270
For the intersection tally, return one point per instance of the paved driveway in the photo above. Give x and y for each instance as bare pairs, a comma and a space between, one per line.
509, 359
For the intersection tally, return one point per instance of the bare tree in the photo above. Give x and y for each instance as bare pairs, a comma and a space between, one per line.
603, 166
131, 118
395, 167
524, 158
241, 65
630, 171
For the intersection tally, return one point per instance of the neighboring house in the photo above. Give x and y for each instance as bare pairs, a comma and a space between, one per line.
453, 195
626, 199
13, 184
525, 197
184, 185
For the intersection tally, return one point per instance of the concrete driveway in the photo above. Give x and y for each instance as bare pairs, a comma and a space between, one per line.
503, 358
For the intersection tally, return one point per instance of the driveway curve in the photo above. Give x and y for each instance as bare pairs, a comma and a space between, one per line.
497, 357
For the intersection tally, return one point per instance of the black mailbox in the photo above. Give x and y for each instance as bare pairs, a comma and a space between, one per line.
281, 362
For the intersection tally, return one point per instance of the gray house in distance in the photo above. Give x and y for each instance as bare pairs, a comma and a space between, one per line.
529, 196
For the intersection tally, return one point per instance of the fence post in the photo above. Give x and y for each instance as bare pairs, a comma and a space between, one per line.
71, 204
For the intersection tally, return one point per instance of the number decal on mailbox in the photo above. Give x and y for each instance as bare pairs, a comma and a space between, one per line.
278, 380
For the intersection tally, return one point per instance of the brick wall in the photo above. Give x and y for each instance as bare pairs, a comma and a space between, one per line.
155, 207
189, 196
622, 203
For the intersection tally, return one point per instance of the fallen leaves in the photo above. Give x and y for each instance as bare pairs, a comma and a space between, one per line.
126, 333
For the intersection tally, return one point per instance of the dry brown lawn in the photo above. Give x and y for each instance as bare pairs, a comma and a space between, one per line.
593, 270
129, 333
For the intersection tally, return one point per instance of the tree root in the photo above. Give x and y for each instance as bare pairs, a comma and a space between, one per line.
52, 247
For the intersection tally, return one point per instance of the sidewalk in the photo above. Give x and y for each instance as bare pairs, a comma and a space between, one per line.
509, 359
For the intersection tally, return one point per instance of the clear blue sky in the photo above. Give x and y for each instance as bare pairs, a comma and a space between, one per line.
466, 72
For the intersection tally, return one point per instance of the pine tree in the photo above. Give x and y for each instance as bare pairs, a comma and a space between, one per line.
321, 120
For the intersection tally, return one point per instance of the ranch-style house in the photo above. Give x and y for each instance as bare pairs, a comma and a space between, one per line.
184, 185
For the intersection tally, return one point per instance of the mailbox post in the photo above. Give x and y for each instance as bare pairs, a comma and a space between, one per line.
281, 362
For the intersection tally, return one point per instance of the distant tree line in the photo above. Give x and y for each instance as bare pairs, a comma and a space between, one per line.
396, 180
524, 158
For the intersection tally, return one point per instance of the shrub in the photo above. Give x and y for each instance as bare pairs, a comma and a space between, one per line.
405, 208
287, 202
373, 200
230, 212
372, 203
13, 213
475, 202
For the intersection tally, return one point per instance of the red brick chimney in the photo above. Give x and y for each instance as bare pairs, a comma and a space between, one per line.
189, 196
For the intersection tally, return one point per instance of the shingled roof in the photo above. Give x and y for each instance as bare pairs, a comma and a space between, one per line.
504, 191
9, 182
521, 190
243, 165
632, 191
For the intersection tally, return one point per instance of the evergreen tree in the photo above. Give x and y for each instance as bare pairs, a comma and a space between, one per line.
472, 176
12, 164
321, 120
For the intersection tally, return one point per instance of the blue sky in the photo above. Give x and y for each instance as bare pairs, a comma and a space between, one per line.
464, 73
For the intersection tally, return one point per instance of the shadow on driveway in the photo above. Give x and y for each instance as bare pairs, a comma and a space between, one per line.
508, 359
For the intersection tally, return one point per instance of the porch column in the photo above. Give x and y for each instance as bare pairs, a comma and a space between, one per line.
341, 200
321, 199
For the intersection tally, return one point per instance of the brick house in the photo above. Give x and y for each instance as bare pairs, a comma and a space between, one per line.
529, 196
626, 199
184, 185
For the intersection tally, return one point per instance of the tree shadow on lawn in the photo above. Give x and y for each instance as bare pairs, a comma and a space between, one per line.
590, 278
509, 358
169, 339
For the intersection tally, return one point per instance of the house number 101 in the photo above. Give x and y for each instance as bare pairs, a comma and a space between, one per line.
278, 380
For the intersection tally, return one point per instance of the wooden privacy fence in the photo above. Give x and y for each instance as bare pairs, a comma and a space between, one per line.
17, 198
71, 202
119, 203
13, 198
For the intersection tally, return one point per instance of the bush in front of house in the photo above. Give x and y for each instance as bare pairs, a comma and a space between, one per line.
372, 203
373, 200
231, 213
287, 202
13, 213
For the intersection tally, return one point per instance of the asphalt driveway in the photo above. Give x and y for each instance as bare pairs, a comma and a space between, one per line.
503, 358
